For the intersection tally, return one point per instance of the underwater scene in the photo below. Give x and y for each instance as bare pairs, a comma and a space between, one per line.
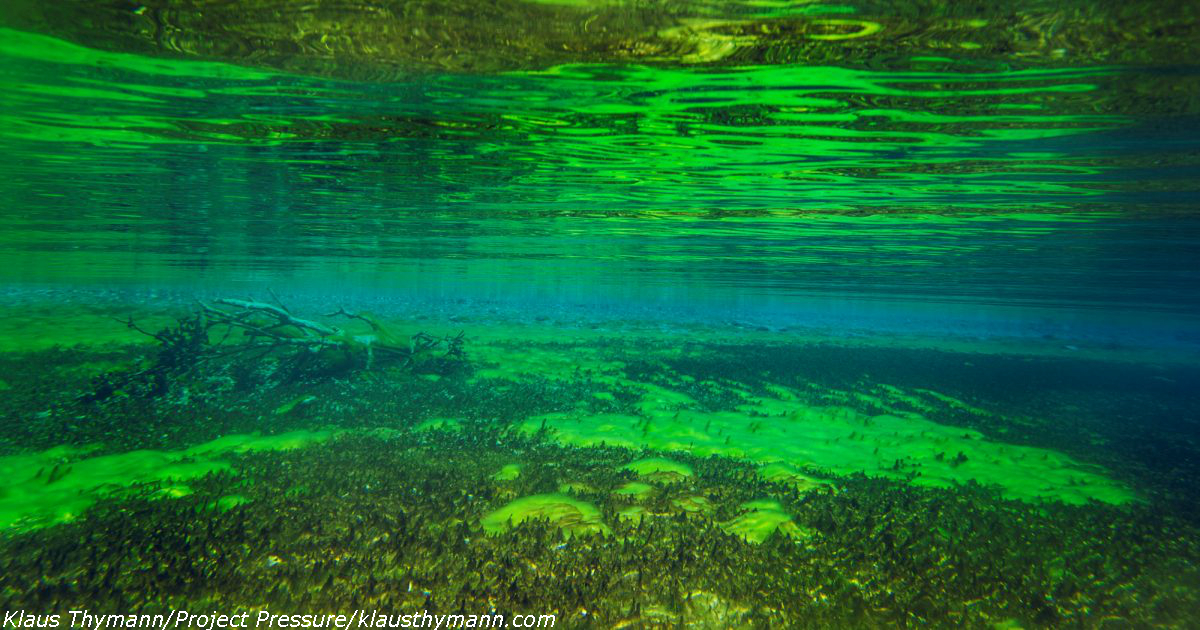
628, 314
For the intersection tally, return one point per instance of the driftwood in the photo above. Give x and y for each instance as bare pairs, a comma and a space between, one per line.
246, 331
274, 327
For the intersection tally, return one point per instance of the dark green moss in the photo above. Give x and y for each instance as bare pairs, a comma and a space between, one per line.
394, 524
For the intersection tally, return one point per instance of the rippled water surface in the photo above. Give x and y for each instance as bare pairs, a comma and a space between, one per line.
926, 152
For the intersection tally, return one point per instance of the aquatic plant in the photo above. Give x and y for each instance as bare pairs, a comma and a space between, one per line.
762, 519
359, 521
395, 517
660, 470
571, 516
181, 348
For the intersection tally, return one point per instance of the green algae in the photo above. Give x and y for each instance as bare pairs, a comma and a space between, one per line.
291, 405
39, 327
635, 489
508, 472
393, 535
694, 504
251, 443
762, 518
439, 424
660, 469
228, 502
57, 485
572, 516
786, 428
503, 362
575, 487
632, 513
839, 440
783, 473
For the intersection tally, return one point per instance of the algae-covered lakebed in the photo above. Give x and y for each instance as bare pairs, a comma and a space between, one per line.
613, 474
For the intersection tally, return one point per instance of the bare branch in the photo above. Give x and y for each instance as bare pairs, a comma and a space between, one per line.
282, 315
359, 316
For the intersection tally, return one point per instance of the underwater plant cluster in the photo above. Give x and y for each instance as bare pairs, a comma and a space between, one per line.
395, 523
393, 490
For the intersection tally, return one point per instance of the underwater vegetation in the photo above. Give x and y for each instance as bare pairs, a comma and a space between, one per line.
646, 314
416, 519
458, 490
59, 484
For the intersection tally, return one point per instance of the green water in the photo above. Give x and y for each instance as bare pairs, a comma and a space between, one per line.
758, 314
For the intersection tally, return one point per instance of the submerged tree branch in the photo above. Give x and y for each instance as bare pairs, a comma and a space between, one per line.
247, 332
